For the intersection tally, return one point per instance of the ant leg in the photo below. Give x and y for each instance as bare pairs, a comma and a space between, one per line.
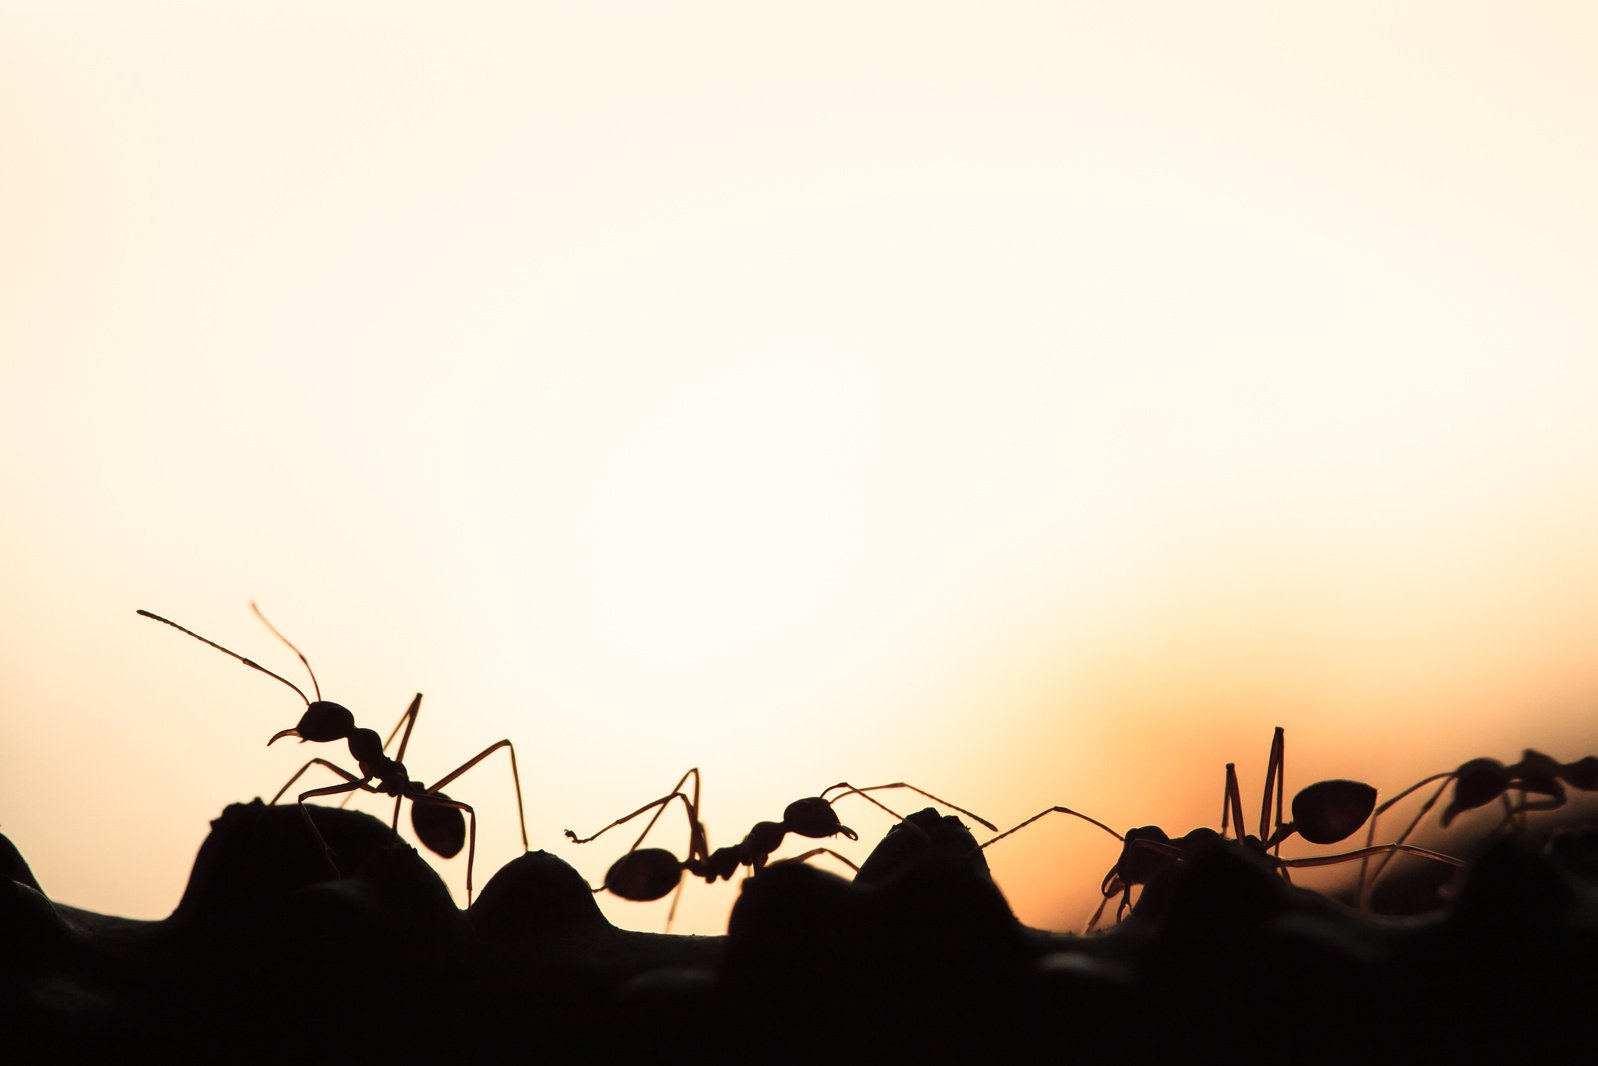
407, 720
351, 782
1365, 853
432, 798
852, 790
676, 894
1367, 887
813, 852
1275, 772
515, 777
662, 801
1056, 810
1232, 801
345, 774
697, 845
1098, 912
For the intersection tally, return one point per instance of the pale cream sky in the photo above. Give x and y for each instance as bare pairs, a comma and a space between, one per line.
1037, 404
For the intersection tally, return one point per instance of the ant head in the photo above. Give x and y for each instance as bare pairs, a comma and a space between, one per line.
439, 826
644, 875
1476, 783
1583, 773
814, 817
1139, 862
322, 721
1329, 811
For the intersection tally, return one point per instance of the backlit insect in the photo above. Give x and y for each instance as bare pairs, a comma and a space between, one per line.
442, 824
644, 874
1323, 813
1539, 781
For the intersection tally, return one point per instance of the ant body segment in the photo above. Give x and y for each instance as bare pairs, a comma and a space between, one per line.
1323, 813
442, 824
644, 874
1478, 782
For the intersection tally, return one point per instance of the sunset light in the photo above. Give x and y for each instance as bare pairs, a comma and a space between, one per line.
1037, 404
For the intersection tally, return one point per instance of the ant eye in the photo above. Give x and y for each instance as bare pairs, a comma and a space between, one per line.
1329, 811
811, 817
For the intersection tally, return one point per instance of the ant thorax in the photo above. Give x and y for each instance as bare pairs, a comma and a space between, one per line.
367, 748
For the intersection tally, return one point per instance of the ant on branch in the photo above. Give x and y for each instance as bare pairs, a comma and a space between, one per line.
441, 823
1478, 782
1323, 813
645, 874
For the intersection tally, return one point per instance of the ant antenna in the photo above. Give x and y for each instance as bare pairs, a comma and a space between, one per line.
251, 663
292, 648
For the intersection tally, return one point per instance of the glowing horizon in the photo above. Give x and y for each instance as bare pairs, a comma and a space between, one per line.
1036, 407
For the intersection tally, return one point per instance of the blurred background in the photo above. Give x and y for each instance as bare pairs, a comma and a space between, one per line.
1035, 405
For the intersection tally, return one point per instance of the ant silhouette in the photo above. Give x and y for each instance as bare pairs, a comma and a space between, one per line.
1323, 813
1478, 782
442, 824
645, 874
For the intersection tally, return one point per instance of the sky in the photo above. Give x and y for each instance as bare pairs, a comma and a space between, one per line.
1036, 404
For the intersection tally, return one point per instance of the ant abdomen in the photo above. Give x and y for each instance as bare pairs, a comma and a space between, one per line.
644, 875
440, 827
814, 817
1329, 811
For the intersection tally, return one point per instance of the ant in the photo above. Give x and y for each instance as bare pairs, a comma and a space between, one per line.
1478, 782
437, 819
1323, 813
645, 874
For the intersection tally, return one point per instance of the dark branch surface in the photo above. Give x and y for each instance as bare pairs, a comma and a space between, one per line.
269, 958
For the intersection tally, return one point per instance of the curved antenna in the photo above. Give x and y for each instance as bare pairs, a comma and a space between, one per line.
292, 648
251, 663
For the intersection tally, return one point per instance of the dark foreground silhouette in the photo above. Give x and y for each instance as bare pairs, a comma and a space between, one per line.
919, 958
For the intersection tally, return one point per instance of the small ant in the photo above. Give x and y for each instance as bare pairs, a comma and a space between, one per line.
645, 874
436, 818
1323, 813
1478, 782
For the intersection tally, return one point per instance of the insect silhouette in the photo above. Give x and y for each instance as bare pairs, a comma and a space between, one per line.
1323, 813
643, 874
1538, 779
441, 823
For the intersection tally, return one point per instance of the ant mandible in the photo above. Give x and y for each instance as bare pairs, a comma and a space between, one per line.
645, 874
1323, 813
442, 824
1478, 782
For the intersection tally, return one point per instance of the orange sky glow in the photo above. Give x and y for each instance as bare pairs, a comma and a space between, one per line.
1037, 405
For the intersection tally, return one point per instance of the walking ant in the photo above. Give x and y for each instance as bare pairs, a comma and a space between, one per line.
645, 874
1478, 782
436, 818
1323, 813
